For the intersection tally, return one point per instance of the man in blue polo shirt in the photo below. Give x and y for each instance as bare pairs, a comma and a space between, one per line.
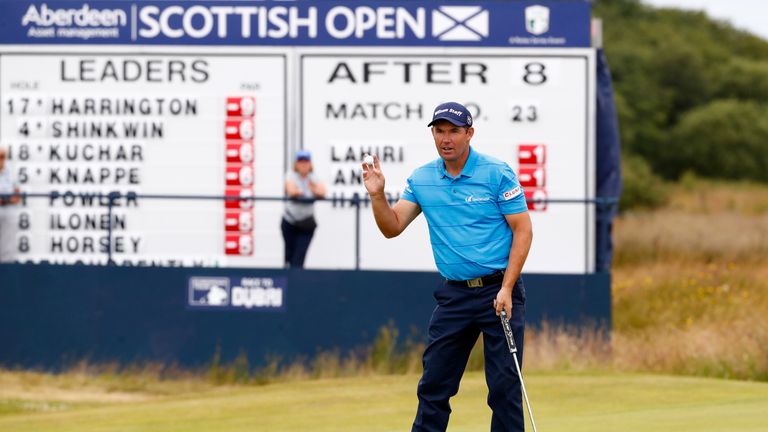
480, 232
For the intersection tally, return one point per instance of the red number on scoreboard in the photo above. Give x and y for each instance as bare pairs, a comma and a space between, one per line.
239, 244
532, 154
239, 175
238, 192
238, 129
532, 177
241, 106
239, 151
238, 221
536, 199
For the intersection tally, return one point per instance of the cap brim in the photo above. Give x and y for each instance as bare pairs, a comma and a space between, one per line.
450, 119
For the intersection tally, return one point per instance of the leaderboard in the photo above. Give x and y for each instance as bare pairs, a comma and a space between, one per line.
212, 99
533, 109
84, 127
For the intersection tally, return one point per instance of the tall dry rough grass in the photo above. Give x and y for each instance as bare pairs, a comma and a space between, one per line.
680, 236
694, 319
690, 284
702, 222
560, 348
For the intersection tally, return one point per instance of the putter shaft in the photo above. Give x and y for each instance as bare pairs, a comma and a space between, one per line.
513, 350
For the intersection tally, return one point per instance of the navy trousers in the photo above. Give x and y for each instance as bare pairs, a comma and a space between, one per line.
461, 314
296, 244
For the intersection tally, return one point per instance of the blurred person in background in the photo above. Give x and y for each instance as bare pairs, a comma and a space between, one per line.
298, 225
8, 187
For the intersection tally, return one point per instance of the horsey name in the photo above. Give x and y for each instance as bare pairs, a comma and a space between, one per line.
94, 244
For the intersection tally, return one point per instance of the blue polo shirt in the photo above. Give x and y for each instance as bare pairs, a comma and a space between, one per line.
470, 236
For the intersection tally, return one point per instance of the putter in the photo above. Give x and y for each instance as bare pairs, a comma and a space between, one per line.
513, 350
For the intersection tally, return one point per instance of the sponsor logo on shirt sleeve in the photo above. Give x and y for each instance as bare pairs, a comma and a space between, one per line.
508, 195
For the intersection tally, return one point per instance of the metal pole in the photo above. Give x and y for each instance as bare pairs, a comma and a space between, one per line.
356, 202
110, 203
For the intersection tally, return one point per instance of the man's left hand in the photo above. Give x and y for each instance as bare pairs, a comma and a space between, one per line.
503, 301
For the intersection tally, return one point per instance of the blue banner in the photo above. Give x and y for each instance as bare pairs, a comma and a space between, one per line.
236, 293
305, 23
51, 314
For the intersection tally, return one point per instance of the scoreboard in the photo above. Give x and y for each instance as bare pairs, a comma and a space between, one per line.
531, 110
83, 125
213, 99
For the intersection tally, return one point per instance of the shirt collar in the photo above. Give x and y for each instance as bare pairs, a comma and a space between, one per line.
467, 171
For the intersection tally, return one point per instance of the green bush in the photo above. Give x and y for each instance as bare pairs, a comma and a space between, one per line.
669, 66
742, 79
642, 188
725, 139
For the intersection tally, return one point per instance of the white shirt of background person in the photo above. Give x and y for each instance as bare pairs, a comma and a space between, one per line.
8, 186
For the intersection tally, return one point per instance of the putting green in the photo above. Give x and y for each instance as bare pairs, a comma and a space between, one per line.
562, 402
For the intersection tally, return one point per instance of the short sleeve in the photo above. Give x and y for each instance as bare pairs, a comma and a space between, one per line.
408, 191
511, 197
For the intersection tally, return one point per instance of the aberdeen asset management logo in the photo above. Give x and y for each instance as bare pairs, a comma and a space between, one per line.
70, 23
460, 23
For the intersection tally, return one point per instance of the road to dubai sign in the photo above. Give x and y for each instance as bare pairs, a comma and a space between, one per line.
214, 98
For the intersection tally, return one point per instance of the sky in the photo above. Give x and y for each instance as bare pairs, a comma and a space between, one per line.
750, 15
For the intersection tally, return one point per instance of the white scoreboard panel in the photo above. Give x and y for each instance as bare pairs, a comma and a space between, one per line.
533, 109
84, 124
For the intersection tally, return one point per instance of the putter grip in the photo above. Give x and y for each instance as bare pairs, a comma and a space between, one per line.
508, 332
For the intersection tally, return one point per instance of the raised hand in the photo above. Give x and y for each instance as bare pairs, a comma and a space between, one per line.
373, 178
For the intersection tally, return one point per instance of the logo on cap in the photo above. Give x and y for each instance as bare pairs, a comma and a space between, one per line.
455, 113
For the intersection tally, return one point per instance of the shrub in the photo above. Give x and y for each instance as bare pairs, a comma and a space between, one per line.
725, 139
642, 188
743, 79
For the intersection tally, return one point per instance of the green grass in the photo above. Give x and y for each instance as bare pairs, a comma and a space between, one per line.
562, 402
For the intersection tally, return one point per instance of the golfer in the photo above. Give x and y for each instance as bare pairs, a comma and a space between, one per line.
480, 232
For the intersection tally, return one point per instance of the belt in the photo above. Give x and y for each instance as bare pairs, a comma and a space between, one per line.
490, 279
